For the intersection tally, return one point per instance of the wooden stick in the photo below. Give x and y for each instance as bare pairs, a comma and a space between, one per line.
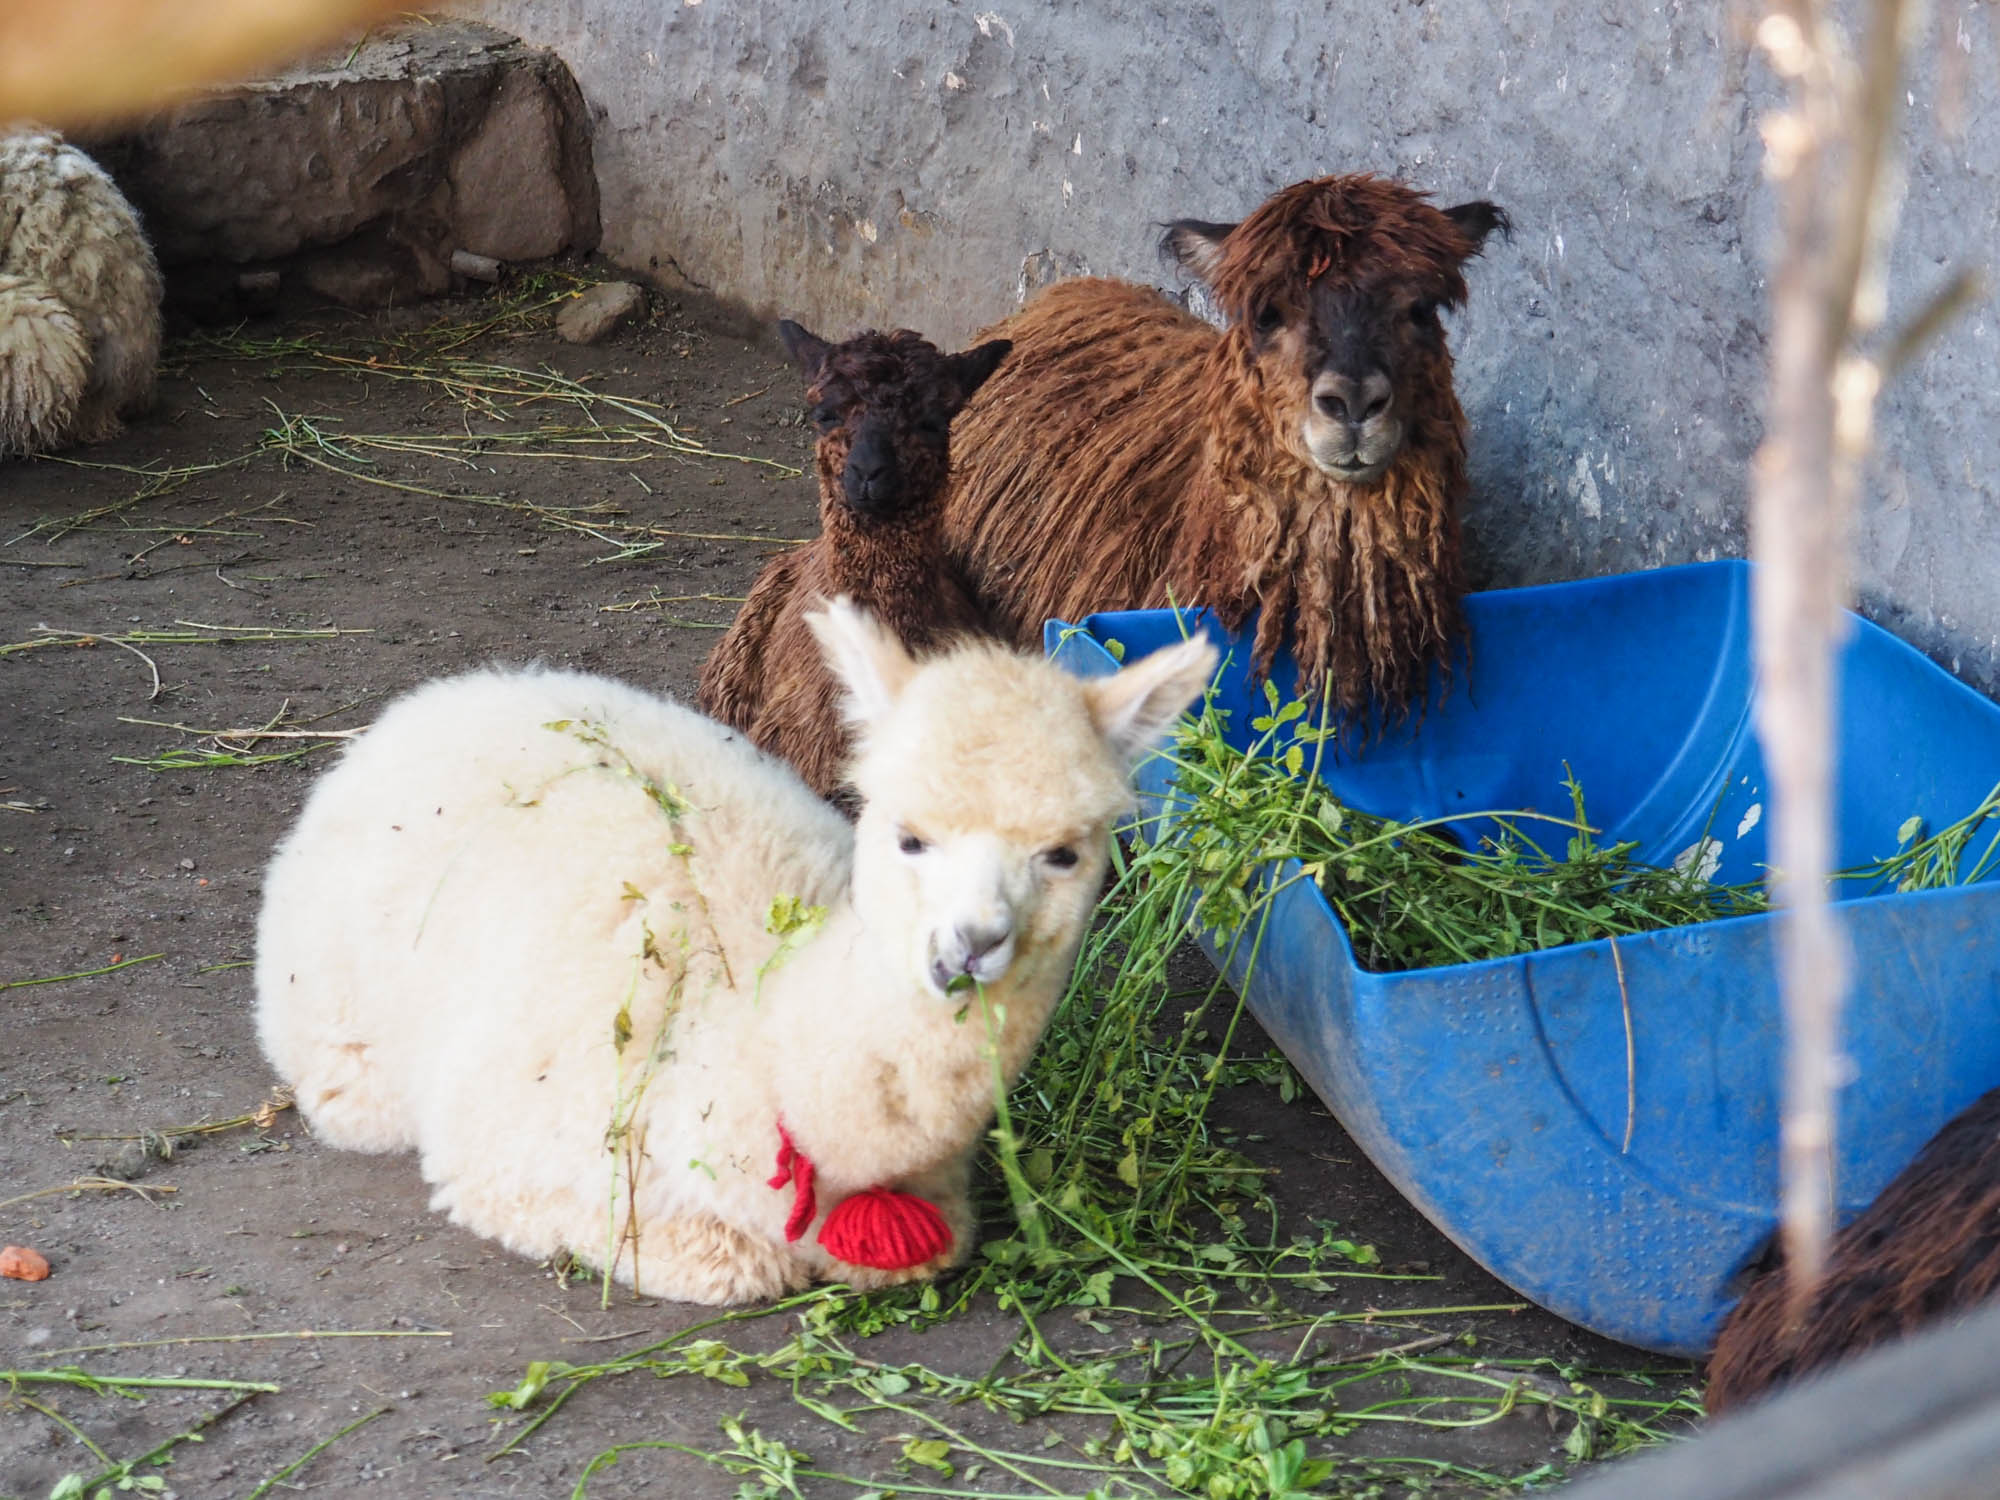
1827, 154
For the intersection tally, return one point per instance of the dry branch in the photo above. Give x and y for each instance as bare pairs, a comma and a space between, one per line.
1828, 153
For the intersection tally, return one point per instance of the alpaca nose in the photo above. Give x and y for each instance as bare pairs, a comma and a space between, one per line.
870, 475
978, 951
980, 941
1354, 402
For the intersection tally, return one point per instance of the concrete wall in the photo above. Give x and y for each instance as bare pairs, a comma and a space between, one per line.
904, 162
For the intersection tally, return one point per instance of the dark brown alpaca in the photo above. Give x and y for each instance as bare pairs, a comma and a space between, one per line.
883, 404
1308, 460
1928, 1246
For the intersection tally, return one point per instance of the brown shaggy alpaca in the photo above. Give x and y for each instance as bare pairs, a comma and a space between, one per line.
883, 404
1309, 459
1928, 1246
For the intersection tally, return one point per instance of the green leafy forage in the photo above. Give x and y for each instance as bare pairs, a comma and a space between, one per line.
1408, 893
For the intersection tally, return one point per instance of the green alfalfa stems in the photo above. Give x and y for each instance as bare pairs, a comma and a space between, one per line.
1027, 1210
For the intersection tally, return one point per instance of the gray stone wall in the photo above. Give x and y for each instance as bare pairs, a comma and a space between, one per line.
925, 163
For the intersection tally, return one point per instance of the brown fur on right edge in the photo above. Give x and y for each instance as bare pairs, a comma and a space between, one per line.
1927, 1247
883, 404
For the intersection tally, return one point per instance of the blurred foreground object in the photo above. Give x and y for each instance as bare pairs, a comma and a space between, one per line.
69, 63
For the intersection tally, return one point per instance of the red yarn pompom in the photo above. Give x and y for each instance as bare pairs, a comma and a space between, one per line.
884, 1229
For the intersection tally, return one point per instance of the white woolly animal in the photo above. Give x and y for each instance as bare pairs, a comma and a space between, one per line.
525, 927
79, 298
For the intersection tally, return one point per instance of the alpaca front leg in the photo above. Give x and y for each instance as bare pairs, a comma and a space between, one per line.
945, 1188
698, 1258
347, 1097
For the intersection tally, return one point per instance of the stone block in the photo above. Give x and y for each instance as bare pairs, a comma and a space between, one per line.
424, 140
508, 198
371, 270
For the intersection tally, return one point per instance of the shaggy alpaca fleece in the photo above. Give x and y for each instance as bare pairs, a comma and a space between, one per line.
526, 928
1928, 1247
79, 299
1129, 454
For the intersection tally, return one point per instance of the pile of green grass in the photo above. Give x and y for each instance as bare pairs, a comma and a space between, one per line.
1410, 895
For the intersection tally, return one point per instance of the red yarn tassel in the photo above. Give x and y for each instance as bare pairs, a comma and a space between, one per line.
795, 1169
884, 1229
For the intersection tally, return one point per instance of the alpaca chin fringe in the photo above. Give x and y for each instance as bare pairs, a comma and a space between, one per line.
1363, 583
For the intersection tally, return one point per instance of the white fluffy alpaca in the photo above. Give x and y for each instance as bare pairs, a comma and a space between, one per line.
79, 298
524, 928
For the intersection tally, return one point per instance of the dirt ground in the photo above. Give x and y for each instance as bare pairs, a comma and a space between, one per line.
254, 1254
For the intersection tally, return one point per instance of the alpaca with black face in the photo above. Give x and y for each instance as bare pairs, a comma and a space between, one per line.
882, 405
1306, 461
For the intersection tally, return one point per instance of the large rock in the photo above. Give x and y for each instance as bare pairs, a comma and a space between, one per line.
508, 197
373, 165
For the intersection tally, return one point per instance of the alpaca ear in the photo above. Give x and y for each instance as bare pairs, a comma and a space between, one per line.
1197, 245
865, 655
807, 348
1479, 219
971, 368
1134, 708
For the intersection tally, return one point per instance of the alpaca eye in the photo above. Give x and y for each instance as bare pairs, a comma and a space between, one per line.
826, 416
1420, 312
1268, 318
933, 426
909, 843
1062, 857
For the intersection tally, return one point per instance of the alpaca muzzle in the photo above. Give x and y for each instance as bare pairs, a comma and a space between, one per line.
1352, 428
978, 953
872, 477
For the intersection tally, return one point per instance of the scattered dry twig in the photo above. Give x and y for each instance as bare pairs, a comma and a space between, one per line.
1631, 1057
192, 633
251, 1338
184, 533
263, 1117
314, 1452
93, 1185
113, 968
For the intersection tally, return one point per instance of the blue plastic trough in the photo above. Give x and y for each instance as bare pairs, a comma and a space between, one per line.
1495, 1094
